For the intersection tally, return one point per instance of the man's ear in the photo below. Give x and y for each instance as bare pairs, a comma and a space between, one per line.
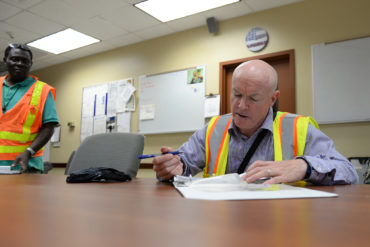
274, 97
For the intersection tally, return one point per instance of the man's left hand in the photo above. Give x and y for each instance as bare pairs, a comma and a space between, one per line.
286, 171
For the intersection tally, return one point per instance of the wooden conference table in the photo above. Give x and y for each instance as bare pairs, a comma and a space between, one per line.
43, 210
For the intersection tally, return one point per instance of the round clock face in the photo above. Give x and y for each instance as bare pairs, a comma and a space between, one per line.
256, 39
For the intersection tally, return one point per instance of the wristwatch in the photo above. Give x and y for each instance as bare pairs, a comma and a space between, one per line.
29, 149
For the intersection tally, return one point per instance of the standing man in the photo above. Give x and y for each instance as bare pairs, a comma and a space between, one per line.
28, 115
253, 139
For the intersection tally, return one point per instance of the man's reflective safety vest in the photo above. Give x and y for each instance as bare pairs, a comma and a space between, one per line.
20, 125
289, 132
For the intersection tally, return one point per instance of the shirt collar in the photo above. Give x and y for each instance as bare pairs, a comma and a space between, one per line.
267, 124
29, 80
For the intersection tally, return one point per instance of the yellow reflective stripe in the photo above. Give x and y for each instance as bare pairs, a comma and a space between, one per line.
222, 160
314, 123
302, 128
37, 93
34, 102
278, 152
17, 136
13, 149
207, 147
302, 125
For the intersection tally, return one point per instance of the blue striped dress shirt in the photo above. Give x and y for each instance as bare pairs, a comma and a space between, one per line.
328, 165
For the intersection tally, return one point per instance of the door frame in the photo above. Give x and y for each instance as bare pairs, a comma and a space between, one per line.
266, 57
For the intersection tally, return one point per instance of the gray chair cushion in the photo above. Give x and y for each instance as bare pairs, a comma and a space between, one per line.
113, 150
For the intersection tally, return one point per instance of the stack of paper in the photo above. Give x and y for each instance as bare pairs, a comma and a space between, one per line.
232, 187
7, 170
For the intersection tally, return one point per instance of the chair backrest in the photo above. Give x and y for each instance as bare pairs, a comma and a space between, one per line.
69, 162
114, 150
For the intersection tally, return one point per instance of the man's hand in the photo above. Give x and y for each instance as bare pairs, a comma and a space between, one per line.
286, 171
22, 160
167, 165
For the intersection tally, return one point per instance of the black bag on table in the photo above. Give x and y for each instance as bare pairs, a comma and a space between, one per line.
97, 174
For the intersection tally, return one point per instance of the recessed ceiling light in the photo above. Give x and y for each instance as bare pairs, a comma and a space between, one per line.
168, 10
63, 41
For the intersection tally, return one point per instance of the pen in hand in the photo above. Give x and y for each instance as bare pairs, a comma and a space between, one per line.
147, 156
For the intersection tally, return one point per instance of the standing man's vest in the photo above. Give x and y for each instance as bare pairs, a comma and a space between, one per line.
289, 131
20, 125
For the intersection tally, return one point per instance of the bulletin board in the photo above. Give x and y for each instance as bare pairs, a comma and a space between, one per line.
107, 107
341, 81
172, 102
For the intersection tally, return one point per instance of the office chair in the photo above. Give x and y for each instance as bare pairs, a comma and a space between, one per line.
69, 162
113, 150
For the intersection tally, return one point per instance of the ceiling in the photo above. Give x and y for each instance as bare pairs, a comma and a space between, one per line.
116, 23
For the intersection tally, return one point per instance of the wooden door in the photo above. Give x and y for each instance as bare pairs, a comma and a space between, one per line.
283, 62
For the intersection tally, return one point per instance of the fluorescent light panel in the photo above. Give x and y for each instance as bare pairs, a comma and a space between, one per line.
63, 41
168, 10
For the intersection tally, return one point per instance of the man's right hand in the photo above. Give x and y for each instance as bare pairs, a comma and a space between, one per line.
167, 165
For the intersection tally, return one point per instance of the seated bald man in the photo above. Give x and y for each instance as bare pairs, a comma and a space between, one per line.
257, 141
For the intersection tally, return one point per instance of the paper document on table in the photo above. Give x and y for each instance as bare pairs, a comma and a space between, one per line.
8, 170
232, 187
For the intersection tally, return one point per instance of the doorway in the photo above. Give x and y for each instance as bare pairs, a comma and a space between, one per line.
284, 64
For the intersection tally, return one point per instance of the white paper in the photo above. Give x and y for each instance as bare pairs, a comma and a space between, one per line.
131, 105
112, 99
212, 106
7, 170
88, 100
124, 122
147, 112
87, 124
56, 135
228, 187
125, 91
101, 99
100, 124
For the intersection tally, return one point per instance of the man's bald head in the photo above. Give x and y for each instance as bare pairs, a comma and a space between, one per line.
259, 70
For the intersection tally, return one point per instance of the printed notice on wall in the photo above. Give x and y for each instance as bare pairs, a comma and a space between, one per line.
147, 112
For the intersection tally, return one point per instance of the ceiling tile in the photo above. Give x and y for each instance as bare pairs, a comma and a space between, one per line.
186, 23
23, 4
17, 35
99, 28
258, 5
123, 40
48, 61
133, 1
59, 12
7, 10
95, 7
39, 54
34, 23
156, 31
130, 18
229, 11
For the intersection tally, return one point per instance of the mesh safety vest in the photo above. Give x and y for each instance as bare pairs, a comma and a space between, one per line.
20, 125
289, 132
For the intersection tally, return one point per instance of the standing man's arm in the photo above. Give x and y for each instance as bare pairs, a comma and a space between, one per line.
49, 121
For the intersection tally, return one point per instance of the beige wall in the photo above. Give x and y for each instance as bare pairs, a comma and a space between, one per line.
296, 26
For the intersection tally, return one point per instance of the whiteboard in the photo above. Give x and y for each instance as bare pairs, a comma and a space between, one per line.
341, 81
169, 104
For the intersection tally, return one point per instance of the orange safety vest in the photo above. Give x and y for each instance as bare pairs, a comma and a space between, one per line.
289, 132
20, 125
